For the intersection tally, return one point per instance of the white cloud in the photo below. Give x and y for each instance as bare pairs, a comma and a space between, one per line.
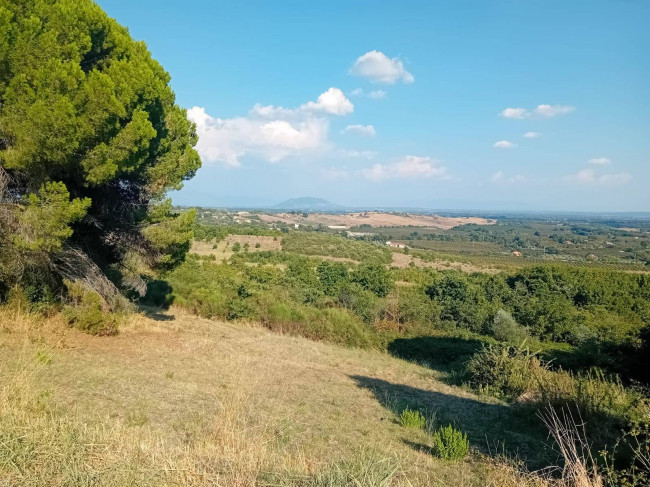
356, 154
501, 178
333, 101
543, 111
269, 132
504, 144
379, 68
361, 130
519, 113
407, 167
588, 176
374, 95
599, 161
532, 135
553, 110
227, 140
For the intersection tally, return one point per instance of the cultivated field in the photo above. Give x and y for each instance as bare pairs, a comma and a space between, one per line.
224, 250
180, 400
374, 219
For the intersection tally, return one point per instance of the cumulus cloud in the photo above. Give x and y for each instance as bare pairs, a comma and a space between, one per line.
541, 111
515, 113
379, 68
268, 132
504, 144
532, 135
588, 176
227, 140
332, 102
599, 161
361, 130
500, 177
407, 167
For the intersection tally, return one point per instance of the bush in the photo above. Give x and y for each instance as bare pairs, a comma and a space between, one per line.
504, 371
374, 278
505, 329
410, 418
450, 443
85, 311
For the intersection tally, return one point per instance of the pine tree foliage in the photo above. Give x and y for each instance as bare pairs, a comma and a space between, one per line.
91, 140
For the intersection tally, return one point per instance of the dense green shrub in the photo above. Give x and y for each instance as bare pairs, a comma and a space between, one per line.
505, 329
450, 443
85, 311
410, 418
374, 278
504, 371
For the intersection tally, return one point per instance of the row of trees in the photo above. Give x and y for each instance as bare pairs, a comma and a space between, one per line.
91, 139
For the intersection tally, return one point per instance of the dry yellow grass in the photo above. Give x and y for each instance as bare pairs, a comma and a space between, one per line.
179, 400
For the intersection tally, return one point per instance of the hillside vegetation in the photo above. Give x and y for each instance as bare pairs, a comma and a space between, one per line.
179, 400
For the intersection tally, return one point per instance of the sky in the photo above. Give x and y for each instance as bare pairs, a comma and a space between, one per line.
457, 104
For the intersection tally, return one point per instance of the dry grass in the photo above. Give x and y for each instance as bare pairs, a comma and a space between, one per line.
179, 400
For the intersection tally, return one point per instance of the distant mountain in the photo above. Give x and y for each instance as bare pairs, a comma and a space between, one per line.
306, 203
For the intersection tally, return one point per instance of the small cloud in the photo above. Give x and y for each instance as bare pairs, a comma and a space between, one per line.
549, 111
589, 176
500, 177
543, 111
373, 95
408, 167
356, 154
599, 161
519, 113
504, 144
361, 130
333, 101
379, 68
532, 135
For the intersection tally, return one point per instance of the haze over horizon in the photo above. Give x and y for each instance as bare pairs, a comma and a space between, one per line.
465, 105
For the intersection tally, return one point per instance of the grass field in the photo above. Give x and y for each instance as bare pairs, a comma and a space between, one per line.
179, 400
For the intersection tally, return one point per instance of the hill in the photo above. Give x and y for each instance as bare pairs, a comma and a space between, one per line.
308, 204
179, 400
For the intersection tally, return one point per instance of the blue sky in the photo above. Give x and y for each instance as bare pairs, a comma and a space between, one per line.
422, 104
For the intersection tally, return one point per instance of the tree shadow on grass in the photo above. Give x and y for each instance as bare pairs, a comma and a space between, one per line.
444, 354
156, 314
494, 429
